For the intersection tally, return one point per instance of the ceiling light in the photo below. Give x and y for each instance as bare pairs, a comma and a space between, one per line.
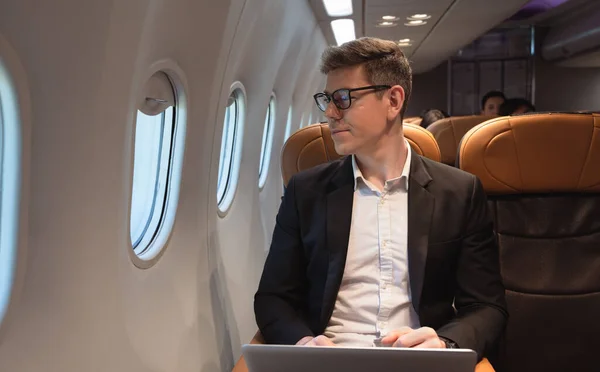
419, 16
343, 30
415, 23
386, 24
404, 41
338, 8
389, 18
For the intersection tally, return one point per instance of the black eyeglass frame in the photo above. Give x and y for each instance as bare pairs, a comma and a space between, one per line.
330, 96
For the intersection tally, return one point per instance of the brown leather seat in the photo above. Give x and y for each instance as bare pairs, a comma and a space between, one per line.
312, 145
449, 131
415, 120
542, 176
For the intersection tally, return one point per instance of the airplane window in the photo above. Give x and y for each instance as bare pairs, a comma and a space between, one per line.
230, 148
155, 137
288, 126
10, 168
267, 143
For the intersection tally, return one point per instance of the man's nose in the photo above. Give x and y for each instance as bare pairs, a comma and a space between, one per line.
332, 112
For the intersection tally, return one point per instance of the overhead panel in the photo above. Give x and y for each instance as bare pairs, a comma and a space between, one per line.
463, 22
403, 10
451, 24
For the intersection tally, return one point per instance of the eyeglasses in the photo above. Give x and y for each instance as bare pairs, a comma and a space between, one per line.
341, 97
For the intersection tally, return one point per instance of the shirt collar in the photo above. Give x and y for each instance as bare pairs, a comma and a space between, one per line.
405, 171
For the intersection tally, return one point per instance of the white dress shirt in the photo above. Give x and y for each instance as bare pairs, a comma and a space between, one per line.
374, 296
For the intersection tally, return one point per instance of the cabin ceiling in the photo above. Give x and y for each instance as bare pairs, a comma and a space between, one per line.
453, 24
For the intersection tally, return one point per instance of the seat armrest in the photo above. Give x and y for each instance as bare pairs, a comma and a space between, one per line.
483, 366
241, 366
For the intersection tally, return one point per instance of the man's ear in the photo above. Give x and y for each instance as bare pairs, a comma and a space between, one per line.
396, 101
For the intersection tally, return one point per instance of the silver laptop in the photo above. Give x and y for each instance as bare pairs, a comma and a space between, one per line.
286, 358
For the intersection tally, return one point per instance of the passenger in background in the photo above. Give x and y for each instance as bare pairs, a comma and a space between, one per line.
383, 246
515, 106
491, 101
430, 116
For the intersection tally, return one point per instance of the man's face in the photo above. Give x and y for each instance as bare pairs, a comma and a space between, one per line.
362, 126
521, 110
492, 105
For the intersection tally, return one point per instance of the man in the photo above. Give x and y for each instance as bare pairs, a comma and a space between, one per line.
383, 243
515, 106
430, 116
491, 102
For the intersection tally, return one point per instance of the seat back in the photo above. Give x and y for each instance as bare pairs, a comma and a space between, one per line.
313, 145
542, 177
449, 131
422, 141
416, 120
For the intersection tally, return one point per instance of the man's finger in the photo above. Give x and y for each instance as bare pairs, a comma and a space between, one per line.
311, 342
392, 336
304, 340
323, 341
432, 343
416, 337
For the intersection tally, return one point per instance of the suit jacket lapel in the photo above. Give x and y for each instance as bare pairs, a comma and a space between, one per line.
339, 217
420, 211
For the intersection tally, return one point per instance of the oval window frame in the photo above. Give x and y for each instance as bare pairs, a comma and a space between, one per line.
159, 244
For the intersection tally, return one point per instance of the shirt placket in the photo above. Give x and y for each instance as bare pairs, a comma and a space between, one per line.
385, 261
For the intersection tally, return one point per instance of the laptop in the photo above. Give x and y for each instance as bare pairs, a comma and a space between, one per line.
287, 358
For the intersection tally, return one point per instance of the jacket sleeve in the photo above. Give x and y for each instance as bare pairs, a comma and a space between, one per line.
480, 300
283, 287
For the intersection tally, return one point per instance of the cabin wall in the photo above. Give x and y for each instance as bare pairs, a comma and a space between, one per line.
430, 90
265, 62
566, 89
78, 303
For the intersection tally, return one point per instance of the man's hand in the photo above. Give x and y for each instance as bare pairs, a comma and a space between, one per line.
423, 337
315, 341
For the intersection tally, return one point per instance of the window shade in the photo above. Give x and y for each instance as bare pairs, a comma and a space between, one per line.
158, 95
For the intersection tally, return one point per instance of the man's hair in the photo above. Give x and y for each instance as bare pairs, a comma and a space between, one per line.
491, 94
430, 116
383, 60
511, 105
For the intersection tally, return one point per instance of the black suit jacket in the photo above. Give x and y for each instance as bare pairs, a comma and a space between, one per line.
452, 255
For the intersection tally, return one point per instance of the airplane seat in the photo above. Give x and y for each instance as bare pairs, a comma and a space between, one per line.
422, 141
306, 148
313, 145
449, 131
542, 177
416, 120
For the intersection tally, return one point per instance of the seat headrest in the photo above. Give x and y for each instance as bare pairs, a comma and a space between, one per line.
536, 153
306, 148
313, 145
416, 120
449, 131
422, 141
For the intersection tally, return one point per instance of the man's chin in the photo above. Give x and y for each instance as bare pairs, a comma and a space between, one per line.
342, 150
